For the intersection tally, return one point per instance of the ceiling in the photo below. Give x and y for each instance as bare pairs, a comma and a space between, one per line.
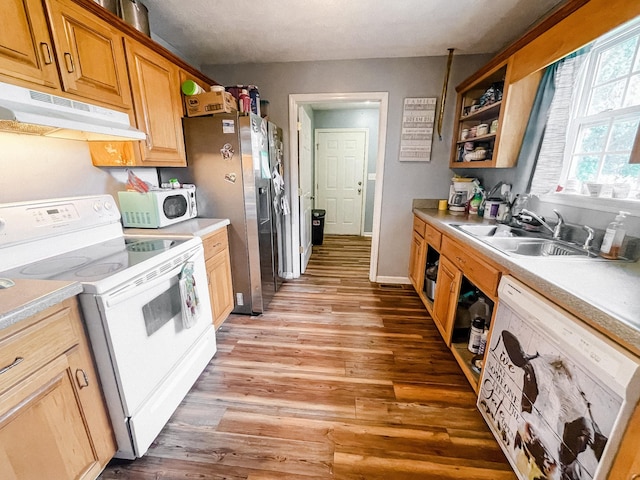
263, 31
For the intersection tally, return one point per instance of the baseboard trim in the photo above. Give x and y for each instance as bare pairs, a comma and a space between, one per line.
394, 280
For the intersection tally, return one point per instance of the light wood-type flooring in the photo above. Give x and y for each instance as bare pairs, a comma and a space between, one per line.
340, 379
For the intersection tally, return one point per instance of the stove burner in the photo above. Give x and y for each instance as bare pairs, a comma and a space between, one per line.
149, 245
53, 266
100, 270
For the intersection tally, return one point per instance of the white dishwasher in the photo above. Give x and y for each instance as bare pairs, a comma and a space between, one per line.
556, 394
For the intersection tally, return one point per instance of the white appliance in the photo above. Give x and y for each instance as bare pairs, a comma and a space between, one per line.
459, 194
145, 304
23, 110
556, 394
158, 207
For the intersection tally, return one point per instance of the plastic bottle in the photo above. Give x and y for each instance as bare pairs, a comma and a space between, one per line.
479, 312
613, 237
483, 341
475, 336
244, 101
189, 87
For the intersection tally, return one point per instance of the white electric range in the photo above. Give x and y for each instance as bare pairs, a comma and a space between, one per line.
145, 303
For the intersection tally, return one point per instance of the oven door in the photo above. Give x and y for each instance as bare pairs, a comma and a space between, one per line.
158, 343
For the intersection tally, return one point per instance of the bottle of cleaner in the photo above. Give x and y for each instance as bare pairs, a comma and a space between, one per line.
613, 237
479, 313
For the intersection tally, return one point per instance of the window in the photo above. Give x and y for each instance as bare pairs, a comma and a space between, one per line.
605, 118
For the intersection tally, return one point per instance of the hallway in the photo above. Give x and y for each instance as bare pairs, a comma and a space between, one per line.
341, 378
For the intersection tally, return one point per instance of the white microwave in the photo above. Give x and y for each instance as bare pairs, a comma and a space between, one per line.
157, 208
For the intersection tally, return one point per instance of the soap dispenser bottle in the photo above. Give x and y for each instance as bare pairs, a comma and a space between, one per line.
613, 237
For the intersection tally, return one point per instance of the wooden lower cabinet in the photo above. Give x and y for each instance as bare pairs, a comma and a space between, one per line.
446, 298
53, 420
416, 261
627, 462
218, 264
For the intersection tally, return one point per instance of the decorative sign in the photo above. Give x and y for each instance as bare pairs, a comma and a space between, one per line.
417, 129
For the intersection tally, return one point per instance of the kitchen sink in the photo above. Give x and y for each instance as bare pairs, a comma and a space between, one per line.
520, 242
537, 247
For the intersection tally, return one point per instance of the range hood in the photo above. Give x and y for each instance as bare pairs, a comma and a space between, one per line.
23, 110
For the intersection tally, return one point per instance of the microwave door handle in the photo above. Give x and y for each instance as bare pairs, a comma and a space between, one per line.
131, 289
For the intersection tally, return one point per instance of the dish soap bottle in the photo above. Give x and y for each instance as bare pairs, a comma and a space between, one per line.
613, 237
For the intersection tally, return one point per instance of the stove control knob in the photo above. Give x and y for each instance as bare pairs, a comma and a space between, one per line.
108, 206
97, 206
3, 224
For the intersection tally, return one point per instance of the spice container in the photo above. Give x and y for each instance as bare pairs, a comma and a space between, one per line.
482, 129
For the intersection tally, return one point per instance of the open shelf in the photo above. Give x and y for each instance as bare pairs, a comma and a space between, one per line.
464, 356
484, 113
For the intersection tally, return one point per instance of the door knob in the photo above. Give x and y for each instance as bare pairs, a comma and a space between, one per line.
359, 190
359, 183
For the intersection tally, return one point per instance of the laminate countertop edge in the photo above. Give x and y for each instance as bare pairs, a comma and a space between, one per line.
195, 227
29, 297
602, 294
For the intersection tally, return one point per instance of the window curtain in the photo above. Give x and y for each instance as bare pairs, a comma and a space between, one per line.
542, 153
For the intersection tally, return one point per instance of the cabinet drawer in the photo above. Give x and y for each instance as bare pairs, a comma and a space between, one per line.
215, 243
419, 226
36, 346
482, 275
432, 236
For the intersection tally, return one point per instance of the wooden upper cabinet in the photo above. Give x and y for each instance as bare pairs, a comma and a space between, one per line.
504, 119
90, 55
26, 51
155, 85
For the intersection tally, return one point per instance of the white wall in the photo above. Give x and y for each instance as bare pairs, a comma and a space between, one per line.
401, 77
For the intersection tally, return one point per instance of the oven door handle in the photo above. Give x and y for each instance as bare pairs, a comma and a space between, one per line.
132, 289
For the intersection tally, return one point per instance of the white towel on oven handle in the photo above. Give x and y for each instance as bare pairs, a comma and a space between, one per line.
189, 295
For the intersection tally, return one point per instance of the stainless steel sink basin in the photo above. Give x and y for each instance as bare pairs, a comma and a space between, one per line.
478, 230
516, 241
537, 247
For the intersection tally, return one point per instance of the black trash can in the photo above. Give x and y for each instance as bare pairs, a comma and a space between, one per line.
317, 226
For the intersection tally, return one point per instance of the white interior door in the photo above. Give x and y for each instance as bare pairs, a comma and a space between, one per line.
340, 182
305, 172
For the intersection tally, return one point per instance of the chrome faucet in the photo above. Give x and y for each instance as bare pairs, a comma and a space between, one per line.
556, 230
587, 242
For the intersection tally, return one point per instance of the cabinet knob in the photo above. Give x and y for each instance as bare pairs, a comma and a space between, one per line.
46, 53
68, 59
81, 378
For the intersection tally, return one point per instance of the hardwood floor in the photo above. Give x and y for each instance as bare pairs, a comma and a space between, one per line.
340, 379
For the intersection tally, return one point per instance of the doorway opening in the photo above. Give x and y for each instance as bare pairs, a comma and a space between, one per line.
302, 191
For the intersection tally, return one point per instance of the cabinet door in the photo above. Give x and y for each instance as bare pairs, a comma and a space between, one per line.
45, 435
627, 462
90, 55
446, 297
155, 86
416, 261
26, 51
220, 286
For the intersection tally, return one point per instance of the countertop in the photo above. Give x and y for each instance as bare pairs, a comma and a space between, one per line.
28, 297
604, 294
195, 227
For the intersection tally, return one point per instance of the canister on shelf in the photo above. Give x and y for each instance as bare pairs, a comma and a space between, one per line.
494, 127
482, 129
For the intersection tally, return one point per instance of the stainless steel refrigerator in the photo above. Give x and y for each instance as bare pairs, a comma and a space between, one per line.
228, 161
